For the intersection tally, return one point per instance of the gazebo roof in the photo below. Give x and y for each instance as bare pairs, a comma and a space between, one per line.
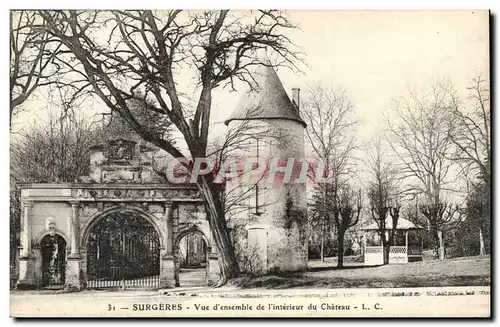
402, 224
268, 100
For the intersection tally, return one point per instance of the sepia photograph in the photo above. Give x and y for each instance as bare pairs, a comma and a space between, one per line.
250, 163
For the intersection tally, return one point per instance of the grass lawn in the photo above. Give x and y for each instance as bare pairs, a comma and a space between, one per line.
470, 272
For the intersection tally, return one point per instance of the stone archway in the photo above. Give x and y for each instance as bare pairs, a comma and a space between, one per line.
120, 179
94, 220
74, 210
122, 250
184, 232
53, 260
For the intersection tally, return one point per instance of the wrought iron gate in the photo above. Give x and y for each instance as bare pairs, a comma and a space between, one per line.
123, 250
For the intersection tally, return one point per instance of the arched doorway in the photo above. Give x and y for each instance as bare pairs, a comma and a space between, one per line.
192, 259
123, 251
53, 251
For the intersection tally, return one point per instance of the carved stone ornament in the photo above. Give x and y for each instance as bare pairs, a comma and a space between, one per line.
120, 152
50, 225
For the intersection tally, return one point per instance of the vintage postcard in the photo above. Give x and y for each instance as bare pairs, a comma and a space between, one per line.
260, 163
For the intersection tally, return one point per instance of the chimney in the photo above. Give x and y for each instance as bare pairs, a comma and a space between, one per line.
296, 98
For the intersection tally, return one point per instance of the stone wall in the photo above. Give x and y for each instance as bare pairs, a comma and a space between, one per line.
42, 212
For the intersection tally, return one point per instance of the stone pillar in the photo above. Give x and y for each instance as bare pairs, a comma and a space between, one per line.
169, 235
213, 267
74, 228
26, 228
27, 278
175, 246
167, 260
177, 265
167, 270
27, 260
73, 263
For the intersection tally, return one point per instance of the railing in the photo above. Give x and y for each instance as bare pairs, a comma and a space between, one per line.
374, 249
397, 250
374, 255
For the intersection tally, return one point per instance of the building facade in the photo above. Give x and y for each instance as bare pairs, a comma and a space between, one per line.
119, 227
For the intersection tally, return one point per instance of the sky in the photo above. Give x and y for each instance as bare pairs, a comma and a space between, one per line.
375, 55
378, 55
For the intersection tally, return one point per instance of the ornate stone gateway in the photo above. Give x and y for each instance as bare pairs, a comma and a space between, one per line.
118, 227
123, 250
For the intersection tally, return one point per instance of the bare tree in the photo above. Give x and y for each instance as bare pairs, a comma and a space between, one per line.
473, 145
56, 152
478, 219
412, 212
113, 126
342, 210
421, 138
472, 136
328, 113
442, 217
233, 147
148, 50
346, 215
32, 52
383, 194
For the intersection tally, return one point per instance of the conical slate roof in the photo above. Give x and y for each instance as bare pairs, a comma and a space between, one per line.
269, 100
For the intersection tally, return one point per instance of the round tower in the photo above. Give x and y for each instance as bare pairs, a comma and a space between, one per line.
270, 232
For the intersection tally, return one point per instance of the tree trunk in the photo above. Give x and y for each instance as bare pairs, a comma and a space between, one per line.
225, 250
322, 248
441, 254
340, 248
481, 242
437, 240
386, 248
